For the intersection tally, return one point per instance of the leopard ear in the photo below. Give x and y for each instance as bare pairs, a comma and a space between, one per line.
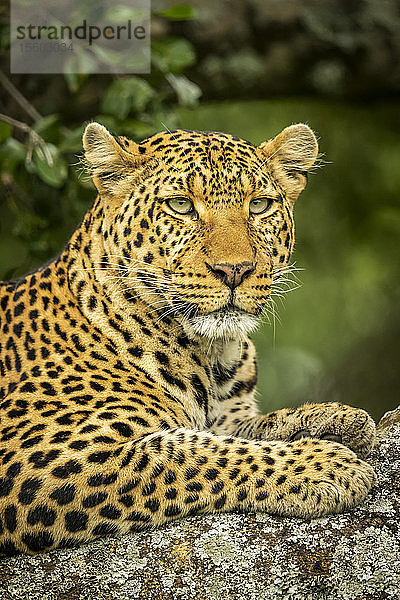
290, 155
111, 159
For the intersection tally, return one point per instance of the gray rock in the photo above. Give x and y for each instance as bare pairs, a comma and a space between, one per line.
352, 556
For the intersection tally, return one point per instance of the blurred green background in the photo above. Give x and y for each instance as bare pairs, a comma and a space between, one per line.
249, 71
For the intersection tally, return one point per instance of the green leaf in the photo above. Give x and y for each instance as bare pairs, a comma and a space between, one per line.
12, 153
49, 165
127, 95
188, 93
108, 56
81, 62
5, 131
177, 12
172, 55
121, 14
75, 80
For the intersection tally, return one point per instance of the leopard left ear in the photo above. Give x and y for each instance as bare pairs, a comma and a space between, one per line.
291, 154
112, 160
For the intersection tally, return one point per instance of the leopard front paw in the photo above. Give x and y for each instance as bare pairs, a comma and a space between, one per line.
352, 427
325, 478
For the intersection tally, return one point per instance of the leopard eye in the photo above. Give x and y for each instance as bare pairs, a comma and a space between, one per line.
260, 205
181, 205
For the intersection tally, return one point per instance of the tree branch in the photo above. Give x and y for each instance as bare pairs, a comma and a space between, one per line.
35, 139
18, 97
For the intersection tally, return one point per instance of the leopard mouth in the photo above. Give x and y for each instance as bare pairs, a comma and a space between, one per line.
227, 323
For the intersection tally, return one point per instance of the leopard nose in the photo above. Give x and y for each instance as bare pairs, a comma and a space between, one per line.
232, 275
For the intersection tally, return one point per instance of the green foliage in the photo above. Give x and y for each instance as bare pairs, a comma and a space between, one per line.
5, 131
126, 95
177, 12
44, 191
49, 165
172, 55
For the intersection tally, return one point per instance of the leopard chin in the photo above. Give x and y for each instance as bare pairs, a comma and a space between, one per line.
224, 324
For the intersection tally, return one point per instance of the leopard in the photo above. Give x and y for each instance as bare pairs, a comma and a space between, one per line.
127, 370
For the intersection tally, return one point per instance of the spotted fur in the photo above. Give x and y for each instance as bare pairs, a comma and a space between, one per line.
127, 377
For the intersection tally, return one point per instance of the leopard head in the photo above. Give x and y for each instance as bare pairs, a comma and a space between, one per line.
199, 223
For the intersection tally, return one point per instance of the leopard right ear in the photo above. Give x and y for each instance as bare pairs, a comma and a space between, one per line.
111, 159
291, 154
